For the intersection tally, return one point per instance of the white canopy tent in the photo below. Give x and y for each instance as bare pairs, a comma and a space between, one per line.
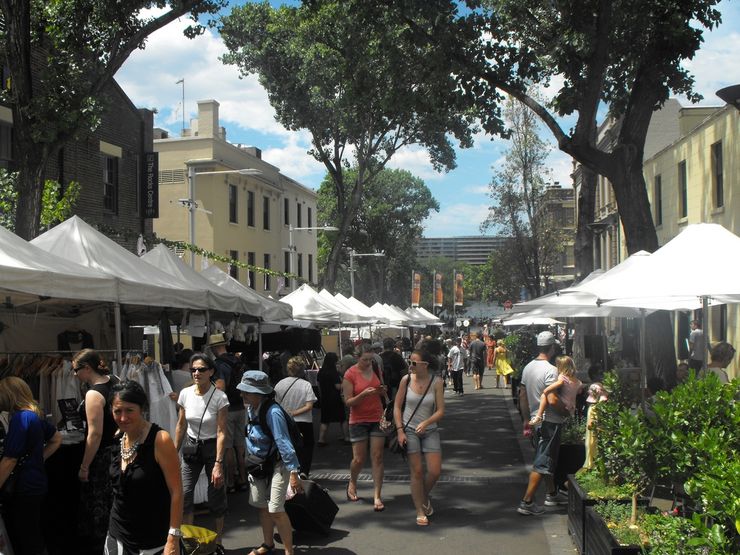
220, 299
268, 310
528, 320
432, 319
28, 273
394, 319
361, 308
138, 283
339, 305
418, 318
309, 305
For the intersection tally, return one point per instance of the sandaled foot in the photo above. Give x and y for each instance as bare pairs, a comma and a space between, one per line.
352, 496
422, 521
378, 506
263, 549
428, 509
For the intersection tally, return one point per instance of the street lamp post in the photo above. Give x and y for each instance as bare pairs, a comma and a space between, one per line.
191, 204
292, 247
352, 256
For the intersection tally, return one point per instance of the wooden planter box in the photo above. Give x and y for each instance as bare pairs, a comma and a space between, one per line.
600, 541
578, 503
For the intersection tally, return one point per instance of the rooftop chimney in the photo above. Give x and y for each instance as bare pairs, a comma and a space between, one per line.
208, 118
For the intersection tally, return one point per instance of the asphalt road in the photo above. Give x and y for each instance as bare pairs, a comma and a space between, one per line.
484, 475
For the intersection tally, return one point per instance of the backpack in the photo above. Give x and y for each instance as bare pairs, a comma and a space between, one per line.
296, 437
237, 370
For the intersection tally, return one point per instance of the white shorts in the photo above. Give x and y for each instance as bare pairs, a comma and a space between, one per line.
270, 493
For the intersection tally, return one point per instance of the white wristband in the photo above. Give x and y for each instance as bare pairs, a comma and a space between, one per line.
175, 532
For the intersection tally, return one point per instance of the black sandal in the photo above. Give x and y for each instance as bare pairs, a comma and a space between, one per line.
268, 550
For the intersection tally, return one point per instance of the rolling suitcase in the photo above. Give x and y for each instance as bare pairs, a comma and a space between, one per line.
313, 510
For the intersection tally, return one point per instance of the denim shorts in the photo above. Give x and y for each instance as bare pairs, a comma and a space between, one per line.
547, 446
430, 442
361, 431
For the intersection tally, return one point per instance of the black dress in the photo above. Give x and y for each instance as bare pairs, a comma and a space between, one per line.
332, 406
140, 517
96, 494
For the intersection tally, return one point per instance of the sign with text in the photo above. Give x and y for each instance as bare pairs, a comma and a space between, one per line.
150, 186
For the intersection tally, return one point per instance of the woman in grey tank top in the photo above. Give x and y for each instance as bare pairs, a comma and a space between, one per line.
419, 406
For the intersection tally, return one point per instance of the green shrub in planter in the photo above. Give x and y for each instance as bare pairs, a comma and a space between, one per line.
596, 487
695, 422
675, 535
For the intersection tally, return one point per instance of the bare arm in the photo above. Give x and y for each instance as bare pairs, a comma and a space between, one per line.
350, 399
220, 383
94, 407
305, 408
217, 477
553, 387
182, 426
166, 456
52, 445
398, 409
523, 403
6, 467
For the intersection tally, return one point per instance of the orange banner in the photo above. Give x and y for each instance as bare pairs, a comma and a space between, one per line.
458, 289
415, 288
437, 289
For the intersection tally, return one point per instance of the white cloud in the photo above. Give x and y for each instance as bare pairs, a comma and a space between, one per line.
293, 160
715, 66
415, 160
149, 78
456, 219
476, 189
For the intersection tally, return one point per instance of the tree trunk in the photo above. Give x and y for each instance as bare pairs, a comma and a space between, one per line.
639, 231
31, 167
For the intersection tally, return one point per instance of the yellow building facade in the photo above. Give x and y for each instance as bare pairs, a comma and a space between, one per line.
244, 208
696, 179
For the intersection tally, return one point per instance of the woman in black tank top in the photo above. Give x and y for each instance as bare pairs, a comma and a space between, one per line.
95, 490
145, 474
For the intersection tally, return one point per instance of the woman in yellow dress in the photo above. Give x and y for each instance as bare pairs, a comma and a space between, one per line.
501, 362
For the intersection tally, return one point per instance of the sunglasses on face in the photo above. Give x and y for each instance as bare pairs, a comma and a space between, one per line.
78, 368
418, 362
201, 369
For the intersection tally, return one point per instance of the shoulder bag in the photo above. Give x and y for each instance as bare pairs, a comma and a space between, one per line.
191, 451
393, 445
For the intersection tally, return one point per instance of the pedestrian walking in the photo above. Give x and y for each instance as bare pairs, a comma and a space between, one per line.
145, 474
296, 396
477, 351
419, 407
456, 366
201, 436
272, 461
536, 376
363, 391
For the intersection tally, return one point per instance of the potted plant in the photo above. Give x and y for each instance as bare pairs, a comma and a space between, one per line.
610, 532
572, 453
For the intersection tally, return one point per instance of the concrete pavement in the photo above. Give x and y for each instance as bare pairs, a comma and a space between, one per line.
484, 474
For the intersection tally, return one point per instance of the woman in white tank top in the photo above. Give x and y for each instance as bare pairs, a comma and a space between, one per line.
419, 406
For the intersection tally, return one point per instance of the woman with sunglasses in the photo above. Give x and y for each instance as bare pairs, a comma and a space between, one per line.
363, 390
96, 494
418, 408
201, 435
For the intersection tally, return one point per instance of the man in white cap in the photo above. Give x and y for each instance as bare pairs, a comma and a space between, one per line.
536, 376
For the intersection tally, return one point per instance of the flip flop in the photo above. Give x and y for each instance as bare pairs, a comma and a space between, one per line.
422, 521
378, 507
427, 507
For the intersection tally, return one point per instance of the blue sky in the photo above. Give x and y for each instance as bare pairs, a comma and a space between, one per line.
149, 78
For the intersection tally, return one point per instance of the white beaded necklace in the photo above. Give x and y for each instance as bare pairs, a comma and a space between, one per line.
128, 453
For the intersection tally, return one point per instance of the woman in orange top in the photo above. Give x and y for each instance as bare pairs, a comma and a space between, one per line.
490, 351
363, 390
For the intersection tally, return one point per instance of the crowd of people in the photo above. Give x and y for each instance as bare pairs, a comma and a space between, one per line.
254, 431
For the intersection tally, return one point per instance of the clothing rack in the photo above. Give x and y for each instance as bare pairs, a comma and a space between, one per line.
53, 352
